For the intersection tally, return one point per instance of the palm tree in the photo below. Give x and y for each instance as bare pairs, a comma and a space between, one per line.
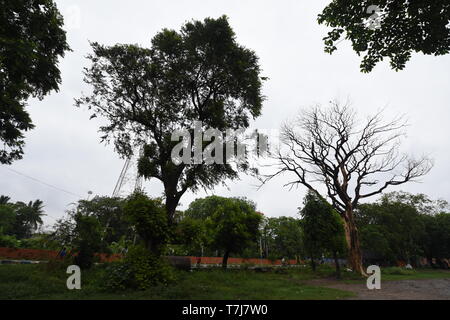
36, 212
31, 213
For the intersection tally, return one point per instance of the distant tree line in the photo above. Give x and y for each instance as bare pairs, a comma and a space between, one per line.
19, 220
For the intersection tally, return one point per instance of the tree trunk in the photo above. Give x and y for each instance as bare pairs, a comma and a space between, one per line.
225, 259
338, 267
171, 206
354, 249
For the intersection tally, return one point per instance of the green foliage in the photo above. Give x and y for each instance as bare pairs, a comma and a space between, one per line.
197, 74
110, 215
40, 241
192, 234
323, 228
149, 217
119, 246
88, 240
435, 241
118, 277
115, 228
148, 269
231, 224
64, 230
390, 231
20, 219
398, 271
403, 226
28, 218
405, 27
140, 270
9, 241
282, 237
7, 219
31, 42
421, 202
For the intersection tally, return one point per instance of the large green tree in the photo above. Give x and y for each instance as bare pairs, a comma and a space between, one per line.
231, 224
149, 218
31, 43
395, 31
28, 217
146, 94
323, 230
109, 211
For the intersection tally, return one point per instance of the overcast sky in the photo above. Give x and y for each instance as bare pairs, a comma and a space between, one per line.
64, 150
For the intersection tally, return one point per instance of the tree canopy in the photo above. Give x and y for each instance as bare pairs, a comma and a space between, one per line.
282, 237
323, 229
402, 27
231, 224
31, 43
146, 94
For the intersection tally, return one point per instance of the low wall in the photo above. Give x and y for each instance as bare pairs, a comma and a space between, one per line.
35, 254
218, 260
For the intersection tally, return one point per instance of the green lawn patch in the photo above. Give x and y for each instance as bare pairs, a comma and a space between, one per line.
38, 282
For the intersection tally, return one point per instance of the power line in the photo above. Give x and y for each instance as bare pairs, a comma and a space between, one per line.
45, 183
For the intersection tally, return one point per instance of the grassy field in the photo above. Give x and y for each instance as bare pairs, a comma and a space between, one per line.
38, 282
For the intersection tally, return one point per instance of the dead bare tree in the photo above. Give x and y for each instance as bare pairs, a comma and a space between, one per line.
330, 147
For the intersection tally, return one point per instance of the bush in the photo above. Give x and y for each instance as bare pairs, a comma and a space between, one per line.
87, 241
9, 241
148, 269
140, 270
118, 277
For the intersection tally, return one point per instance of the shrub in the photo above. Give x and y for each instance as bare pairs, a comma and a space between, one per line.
140, 270
148, 269
9, 241
118, 277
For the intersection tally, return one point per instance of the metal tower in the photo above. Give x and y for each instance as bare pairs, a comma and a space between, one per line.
129, 179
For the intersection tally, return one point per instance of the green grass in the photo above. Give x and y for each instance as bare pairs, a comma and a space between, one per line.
390, 274
49, 282
387, 274
38, 282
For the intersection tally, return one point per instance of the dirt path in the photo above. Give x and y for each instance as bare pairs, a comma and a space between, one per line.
426, 289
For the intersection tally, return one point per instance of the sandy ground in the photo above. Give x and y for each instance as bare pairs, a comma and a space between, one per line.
426, 289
